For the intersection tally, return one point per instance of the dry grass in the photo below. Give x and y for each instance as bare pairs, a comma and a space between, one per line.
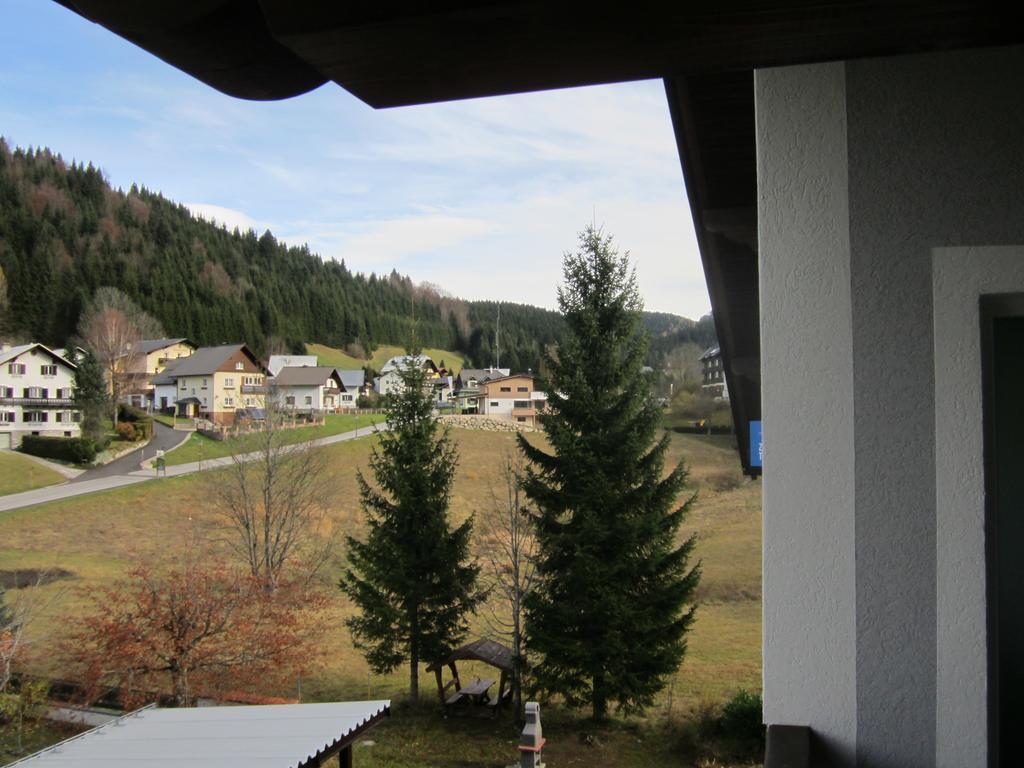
99, 537
20, 473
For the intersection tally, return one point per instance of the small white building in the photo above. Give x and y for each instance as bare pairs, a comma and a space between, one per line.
307, 388
390, 379
36, 390
353, 384
277, 362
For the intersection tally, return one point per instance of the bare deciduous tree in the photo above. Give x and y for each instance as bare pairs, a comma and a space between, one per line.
112, 328
272, 501
16, 618
510, 550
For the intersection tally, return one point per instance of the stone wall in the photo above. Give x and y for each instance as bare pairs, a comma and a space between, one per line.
485, 423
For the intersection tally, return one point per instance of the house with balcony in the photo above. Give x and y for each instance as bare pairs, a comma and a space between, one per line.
306, 389
466, 397
215, 383
36, 391
511, 397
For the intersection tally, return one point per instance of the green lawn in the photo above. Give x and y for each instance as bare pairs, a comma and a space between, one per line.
200, 448
340, 359
169, 421
98, 537
19, 473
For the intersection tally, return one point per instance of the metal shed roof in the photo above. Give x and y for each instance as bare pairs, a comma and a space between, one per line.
271, 736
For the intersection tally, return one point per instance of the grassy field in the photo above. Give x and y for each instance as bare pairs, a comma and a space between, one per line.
340, 359
201, 448
99, 537
20, 473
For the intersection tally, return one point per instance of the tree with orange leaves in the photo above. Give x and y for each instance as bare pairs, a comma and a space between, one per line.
193, 628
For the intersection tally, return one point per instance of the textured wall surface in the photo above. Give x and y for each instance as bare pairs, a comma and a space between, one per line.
960, 276
807, 404
864, 169
936, 158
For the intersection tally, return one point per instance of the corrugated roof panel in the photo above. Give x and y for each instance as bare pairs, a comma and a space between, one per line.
270, 736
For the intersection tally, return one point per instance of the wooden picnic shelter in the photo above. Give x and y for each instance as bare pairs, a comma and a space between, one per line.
477, 692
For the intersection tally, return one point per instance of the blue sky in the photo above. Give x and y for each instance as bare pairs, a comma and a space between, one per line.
480, 197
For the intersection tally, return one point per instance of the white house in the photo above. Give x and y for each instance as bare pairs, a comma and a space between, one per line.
307, 388
35, 394
277, 362
390, 379
353, 384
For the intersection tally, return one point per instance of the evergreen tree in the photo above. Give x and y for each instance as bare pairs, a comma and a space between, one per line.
411, 579
609, 615
90, 395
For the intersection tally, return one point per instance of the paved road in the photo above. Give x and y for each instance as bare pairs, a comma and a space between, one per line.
130, 476
164, 438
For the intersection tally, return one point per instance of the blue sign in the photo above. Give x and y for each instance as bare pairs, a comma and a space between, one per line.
756, 444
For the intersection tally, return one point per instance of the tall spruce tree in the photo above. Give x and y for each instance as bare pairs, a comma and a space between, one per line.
614, 600
90, 395
412, 579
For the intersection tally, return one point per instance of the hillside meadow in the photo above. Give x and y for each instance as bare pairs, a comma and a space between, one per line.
339, 358
99, 537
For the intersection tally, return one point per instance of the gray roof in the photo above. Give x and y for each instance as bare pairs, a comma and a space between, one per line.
352, 379
205, 360
711, 352
152, 345
166, 376
482, 374
399, 360
266, 736
303, 376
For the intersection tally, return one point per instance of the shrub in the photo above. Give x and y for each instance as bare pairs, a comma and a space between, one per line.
138, 418
742, 724
79, 450
126, 431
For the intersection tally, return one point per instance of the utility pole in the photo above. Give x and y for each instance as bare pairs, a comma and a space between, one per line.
497, 339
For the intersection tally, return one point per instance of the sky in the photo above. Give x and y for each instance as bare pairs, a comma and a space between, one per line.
479, 197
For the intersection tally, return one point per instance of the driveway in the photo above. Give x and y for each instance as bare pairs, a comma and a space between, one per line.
164, 438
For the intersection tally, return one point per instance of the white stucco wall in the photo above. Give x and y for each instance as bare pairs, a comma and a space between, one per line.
64, 379
960, 277
807, 404
860, 329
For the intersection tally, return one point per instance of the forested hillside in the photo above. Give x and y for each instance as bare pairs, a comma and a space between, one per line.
64, 233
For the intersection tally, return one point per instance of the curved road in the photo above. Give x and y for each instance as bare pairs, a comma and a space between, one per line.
164, 438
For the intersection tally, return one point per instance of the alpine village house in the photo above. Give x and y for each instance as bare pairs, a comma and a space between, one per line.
36, 389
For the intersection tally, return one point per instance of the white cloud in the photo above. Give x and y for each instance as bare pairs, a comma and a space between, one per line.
227, 217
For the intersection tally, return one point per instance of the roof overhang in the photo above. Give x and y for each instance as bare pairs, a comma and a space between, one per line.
392, 54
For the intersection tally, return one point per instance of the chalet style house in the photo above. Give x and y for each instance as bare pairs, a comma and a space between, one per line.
306, 389
390, 379
216, 383
36, 389
511, 397
714, 374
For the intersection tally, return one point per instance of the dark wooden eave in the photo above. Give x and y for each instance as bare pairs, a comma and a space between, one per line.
398, 53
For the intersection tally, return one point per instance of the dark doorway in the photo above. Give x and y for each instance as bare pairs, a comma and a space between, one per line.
1003, 329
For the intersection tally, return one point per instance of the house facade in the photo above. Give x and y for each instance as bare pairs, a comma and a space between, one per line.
714, 383
511, 397
306, 389
36, 391
353, 384
390, 379
215, 383
151, 358
466, 397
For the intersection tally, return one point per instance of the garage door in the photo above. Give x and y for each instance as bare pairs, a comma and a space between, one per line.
5, 440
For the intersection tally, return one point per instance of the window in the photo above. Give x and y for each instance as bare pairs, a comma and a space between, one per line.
346, 398
204, 383
64, 393
48, 370
290, 400
6, 391
204, 402
506, 389
76, 416
522, 389
239, 366
36, 417
521, 404
494, 403
67, 434
7, 417
35, 393
16, 369
229, 402
229, 383
520, 418
309, 399
59, 417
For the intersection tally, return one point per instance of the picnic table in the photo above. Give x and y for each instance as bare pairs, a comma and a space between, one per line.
476, 692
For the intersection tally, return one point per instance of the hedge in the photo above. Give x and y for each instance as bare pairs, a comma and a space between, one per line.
79, 450
710, 430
